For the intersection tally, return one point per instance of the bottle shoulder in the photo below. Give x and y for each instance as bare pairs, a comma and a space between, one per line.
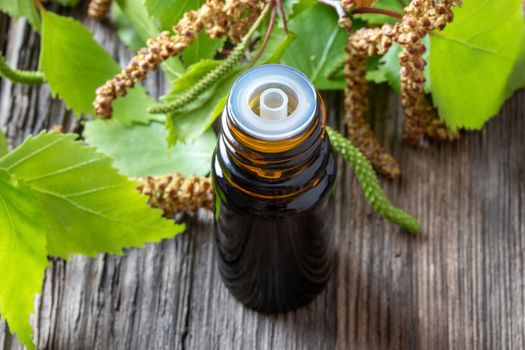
311, 189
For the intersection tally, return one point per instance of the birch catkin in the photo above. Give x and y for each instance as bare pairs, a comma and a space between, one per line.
215, 17
175, 193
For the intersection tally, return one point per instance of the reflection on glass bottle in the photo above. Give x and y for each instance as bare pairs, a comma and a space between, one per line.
273, 170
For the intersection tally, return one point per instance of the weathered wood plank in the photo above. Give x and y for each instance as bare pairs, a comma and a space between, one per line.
461, 285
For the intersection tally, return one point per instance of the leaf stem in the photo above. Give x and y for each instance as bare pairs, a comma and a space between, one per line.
370, 184
211, 77
283, 15
20, 76
365, 10
266, 36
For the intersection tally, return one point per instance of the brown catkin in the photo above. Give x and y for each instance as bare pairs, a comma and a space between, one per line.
420, 18
437, 130
99, 9
365, 42
418, 111
215, 17
174, 193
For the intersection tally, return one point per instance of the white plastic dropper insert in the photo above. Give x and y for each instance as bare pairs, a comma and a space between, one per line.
273, 104
299, 91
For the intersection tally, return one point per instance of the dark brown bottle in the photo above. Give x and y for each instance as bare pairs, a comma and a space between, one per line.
273, 171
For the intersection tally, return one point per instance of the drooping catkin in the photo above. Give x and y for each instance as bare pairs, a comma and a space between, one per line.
214, 75
420, 18
437, 130
175, 193
370, 184
215, 17
99, 9
418, 111
364, 43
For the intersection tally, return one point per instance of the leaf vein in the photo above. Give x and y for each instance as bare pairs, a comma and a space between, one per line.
32, 154
64, 170
88, 210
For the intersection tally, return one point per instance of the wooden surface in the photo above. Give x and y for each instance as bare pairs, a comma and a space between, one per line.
461, 285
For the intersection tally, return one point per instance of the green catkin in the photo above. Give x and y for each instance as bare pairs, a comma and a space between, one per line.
370, 184
202, 85
20, 76
213, 76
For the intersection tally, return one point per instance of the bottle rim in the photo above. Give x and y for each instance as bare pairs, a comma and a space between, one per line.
263, 77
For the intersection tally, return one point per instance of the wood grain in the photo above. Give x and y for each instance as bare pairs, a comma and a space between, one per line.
461, 285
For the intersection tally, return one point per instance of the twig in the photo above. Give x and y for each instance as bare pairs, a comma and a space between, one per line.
365, 10
283, 15
39, 5
266, 36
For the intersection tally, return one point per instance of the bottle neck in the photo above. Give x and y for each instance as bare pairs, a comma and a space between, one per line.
273, 169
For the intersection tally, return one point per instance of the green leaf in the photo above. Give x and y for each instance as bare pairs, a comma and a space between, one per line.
125, 30
277, 45
288, 6
319, 43
134, 11
169, 12
75, 65
23, 256
294, 7
472, 60
141, 150
22, 8
389, 68
202, 48
191, 122
147, 28
3, 144
133, 108
87, 206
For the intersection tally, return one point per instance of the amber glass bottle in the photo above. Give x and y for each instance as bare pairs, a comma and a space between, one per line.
273, 170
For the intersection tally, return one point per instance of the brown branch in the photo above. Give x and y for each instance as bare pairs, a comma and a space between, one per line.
365, 10
266, 36
39, 5
283, 15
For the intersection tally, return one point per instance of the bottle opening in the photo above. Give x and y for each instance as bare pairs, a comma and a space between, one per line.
272, 102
